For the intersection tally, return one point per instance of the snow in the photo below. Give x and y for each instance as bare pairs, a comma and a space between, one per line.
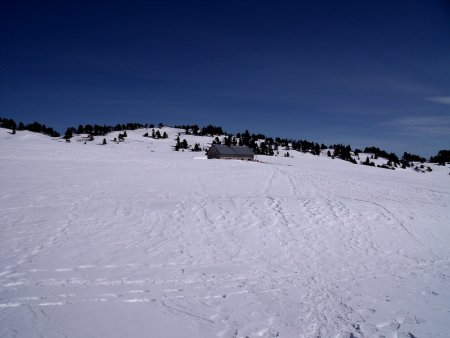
137, 240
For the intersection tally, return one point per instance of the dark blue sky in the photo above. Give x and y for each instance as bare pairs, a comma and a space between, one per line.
353, 72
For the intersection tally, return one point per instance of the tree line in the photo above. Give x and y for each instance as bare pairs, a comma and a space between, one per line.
34, 127
98, 130
209, 130
259, 143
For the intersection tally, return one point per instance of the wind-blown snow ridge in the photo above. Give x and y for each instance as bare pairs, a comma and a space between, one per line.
137, 240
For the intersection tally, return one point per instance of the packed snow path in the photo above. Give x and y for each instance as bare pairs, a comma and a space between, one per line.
136, 240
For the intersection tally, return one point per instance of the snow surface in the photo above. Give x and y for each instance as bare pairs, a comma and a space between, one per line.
136, 240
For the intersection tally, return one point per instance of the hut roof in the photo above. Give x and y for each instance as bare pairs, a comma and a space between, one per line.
233, 150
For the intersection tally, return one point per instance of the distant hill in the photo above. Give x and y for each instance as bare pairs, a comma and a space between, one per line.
189, 138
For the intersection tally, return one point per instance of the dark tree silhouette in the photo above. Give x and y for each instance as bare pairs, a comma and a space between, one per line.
68, 134
442, 157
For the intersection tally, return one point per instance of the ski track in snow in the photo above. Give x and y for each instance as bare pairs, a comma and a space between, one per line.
123, 241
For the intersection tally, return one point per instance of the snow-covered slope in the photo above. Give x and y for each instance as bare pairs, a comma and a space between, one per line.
136, 240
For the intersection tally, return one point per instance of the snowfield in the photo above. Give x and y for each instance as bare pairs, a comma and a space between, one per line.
136, 240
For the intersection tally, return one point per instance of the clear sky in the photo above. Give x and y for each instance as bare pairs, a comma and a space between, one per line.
354, 72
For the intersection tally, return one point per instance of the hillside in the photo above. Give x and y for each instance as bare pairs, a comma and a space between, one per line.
133, 239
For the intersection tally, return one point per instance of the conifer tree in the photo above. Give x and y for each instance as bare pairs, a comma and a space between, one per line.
68, 135
263, 148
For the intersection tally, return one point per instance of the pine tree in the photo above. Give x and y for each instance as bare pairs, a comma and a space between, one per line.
263, 148
68, 135
104, 141
197, 147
